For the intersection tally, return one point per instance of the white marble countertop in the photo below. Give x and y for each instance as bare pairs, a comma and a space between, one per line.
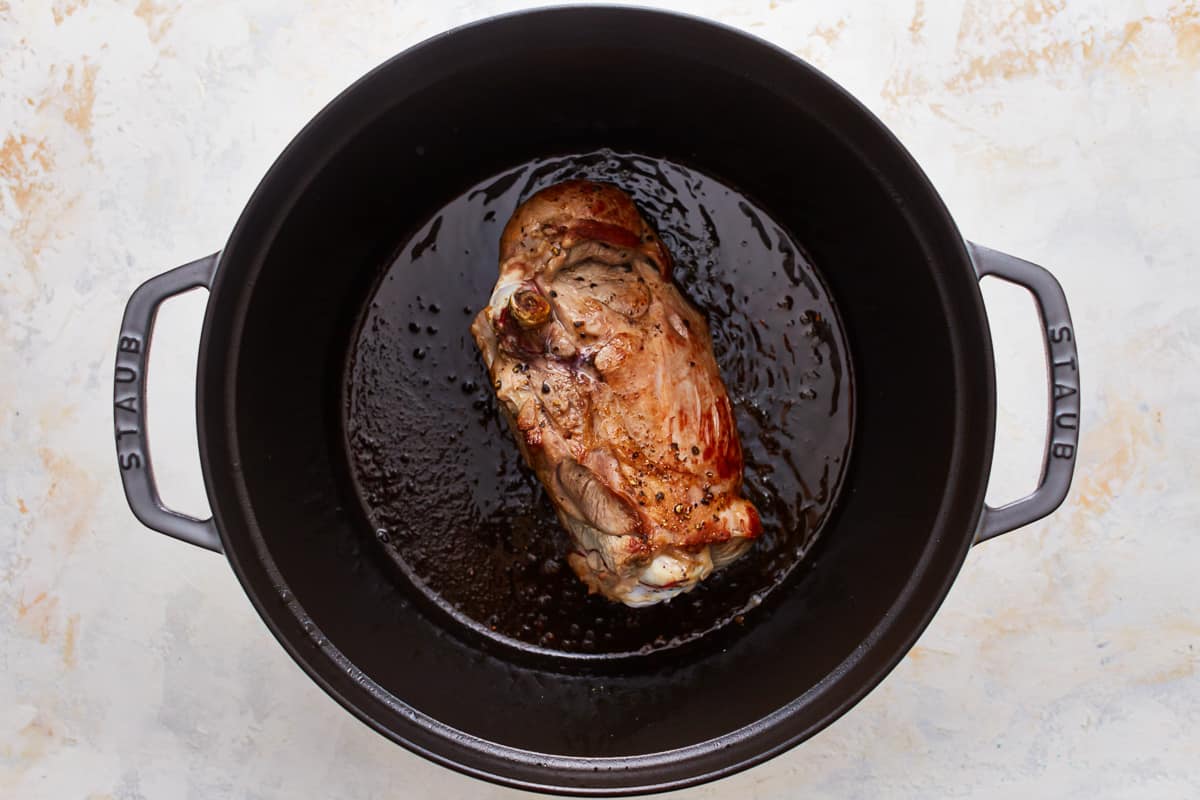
1064, 663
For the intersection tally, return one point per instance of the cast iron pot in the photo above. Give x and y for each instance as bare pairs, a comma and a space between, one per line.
289, 283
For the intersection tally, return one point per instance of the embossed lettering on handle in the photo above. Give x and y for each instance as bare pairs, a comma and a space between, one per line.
1062, 439
129, 404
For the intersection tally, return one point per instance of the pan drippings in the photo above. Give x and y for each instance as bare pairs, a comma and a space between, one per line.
450, 498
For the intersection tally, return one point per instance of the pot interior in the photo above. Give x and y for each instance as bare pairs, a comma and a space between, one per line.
478, 537
366, 177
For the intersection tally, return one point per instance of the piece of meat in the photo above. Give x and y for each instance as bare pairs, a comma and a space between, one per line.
606, 374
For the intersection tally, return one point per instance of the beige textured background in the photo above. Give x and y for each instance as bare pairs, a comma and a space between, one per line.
1064, 663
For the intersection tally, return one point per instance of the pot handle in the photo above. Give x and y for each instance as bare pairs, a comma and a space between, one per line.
1062, 433
129, 405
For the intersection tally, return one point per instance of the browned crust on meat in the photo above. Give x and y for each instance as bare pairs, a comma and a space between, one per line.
576, 211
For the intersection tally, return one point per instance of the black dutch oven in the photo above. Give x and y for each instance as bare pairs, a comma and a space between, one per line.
290, 282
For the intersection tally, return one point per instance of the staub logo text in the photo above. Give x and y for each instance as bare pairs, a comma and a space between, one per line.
1066, 392
127, 416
